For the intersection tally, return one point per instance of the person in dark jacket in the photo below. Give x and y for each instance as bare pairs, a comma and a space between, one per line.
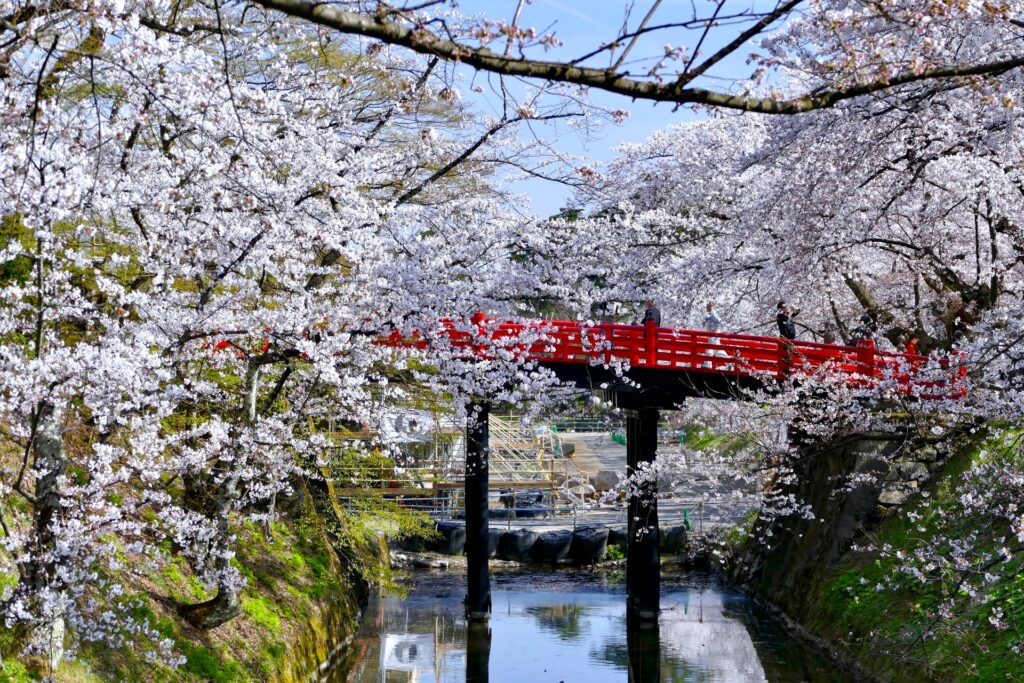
651, 312
866, 330
784, 319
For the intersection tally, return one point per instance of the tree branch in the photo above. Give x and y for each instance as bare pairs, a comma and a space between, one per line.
418, 39
450, 166
636, 36
766, 21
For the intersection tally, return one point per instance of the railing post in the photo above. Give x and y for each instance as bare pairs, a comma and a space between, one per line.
866, 357
785, 357
960, 381
479, 320
606, 340
651, 343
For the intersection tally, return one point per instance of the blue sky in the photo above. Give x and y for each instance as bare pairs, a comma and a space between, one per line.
582, 26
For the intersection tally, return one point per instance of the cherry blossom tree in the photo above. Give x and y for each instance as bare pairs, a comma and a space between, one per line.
213, 213
210, 218
905, 207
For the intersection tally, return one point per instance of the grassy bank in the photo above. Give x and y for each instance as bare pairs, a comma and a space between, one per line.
934, 623
297, 592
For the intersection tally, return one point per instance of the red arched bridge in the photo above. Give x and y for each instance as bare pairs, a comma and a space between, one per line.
674, 363
646, 368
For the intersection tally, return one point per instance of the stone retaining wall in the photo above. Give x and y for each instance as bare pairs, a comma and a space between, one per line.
907, 473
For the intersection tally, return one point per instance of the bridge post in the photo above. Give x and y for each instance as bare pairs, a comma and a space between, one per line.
866, 357
643, 564
651, 343
478, 577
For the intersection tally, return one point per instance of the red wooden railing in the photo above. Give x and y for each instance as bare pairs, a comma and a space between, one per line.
672, 349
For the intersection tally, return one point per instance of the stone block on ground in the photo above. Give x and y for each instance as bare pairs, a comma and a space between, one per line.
493, 537
895, 496
452, 540
912, 471
589, 544
417, 561
552, 547
617, 536
411, 544
516, 545
606, 480
673, 539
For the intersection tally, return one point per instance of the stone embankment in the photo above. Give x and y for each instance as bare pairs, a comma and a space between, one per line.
582, 545
853, 487
907, 473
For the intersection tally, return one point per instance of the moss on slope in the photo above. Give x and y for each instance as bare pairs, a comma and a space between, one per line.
297, 605
890, 620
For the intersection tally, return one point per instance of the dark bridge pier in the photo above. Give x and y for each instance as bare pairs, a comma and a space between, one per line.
643, 564
478, 595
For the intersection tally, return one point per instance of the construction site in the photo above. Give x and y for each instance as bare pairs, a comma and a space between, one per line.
543, 474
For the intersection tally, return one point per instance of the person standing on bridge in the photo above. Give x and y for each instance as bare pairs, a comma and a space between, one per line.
911, 346
866, 330
829, 335
784, 319
651, 313
713, 323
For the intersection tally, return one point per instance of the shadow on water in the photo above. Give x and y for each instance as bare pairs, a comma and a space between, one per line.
567, 628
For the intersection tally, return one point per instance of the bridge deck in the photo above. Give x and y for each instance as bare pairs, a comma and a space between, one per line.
705, 363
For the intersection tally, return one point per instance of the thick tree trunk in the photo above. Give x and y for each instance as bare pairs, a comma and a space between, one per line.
225, 606
51, 463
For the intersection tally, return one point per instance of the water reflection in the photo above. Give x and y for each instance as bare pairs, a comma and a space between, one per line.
574, 630
643, 642
478, 652
562, 620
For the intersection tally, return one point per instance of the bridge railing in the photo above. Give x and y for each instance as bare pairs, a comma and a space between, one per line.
730, 354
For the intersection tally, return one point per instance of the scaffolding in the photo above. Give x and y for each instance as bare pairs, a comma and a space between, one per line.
428, 472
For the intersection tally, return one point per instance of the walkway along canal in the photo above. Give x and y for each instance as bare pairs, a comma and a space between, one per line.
572, 627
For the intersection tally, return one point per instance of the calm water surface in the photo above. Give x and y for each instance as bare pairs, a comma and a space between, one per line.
572, 627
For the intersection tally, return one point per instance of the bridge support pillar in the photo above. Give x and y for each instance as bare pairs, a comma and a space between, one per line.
478, 593
643, 564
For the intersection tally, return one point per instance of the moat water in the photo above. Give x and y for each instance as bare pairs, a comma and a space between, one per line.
573, 627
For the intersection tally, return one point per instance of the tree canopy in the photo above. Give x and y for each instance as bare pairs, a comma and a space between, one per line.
212, 212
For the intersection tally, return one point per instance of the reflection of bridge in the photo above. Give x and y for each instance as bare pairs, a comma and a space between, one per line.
646, 368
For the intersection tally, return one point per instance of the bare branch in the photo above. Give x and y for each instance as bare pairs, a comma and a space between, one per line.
515, 25
781, 11
636, 36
